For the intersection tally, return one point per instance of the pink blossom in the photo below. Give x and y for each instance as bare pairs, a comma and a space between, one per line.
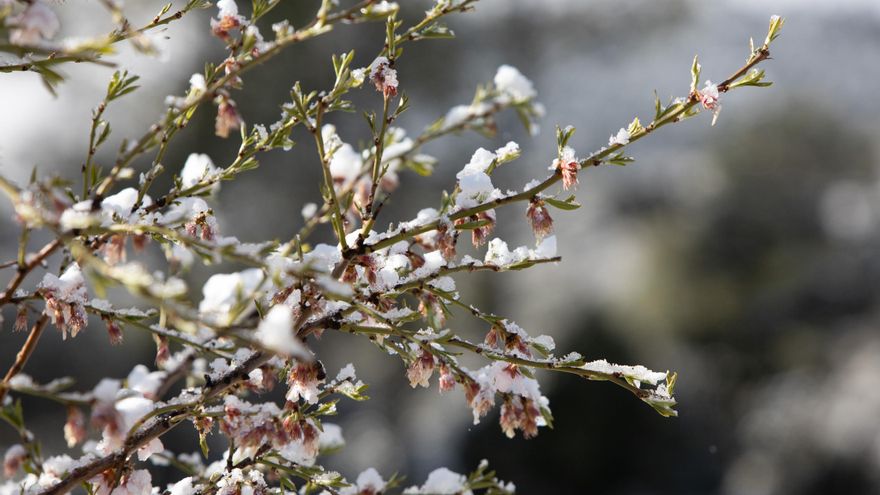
447, 379
480, 398
21, 319
114, 249
228, 19
34, 24
384, 77
65, 298
568, 166
303, 381
421, 369
228, 118
481, 234
138, 482
13, 460
75, 426
519, 413
113, 330
710, 99
539, 218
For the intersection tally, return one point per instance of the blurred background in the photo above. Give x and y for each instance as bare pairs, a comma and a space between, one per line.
743, 256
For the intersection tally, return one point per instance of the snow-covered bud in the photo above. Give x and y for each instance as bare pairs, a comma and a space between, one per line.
13, 460
621, 138
303, 381
539, 218
204, 225
75, 426
447, 379
479, 398
568, 166
113, 330
709, 98
34, 24
21, 319
369, 482
228, 117
420, 370
65, 297
384, 77
228, 19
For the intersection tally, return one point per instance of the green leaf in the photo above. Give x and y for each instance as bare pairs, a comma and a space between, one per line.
568, 204
695, 74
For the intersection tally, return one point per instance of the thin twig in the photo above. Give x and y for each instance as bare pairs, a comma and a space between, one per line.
24, 270
24, 354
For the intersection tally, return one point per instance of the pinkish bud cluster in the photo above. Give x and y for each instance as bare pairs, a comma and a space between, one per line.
568, 165
384, 77
75, 426
539, 218
228, 118
421, 369
303, 381
519, 413
65, 298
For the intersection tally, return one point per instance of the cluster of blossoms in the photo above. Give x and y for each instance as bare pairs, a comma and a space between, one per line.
252, 328
36, 23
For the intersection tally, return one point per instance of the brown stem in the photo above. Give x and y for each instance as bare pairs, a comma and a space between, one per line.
24, 354
23, 270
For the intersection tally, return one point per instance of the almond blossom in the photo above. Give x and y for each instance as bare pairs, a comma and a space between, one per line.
65, 297
37, 22
709, 99
568, 165
384, 77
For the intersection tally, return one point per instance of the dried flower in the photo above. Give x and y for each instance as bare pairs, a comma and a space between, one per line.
21, 319
420, 370
228, 117
447, 379
539, 218
519, 413
113, 330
